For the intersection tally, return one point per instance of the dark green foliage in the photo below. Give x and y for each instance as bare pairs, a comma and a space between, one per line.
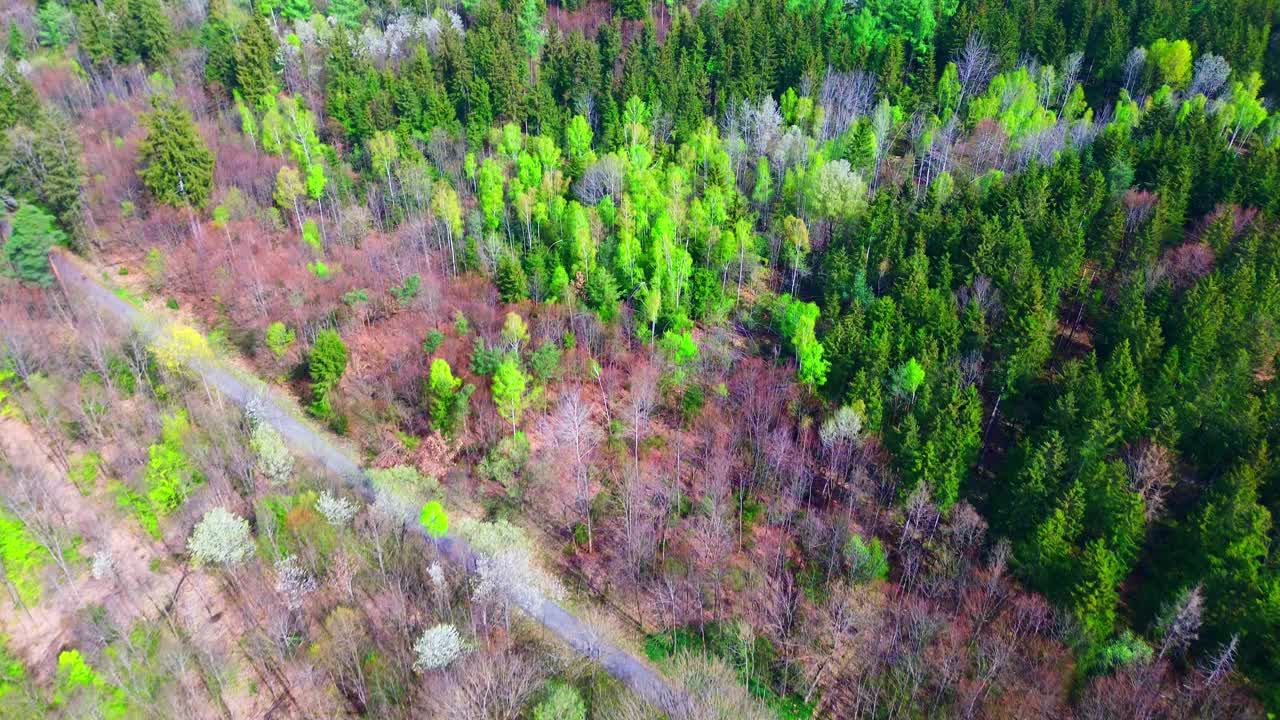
44, 166
148, 34
254, 60
484, 359
433, 341
544, 362
405, 294
176, 166
510, 278
325, 363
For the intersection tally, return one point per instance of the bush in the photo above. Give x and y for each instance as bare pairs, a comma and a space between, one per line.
866, 561
433, 341
562, 702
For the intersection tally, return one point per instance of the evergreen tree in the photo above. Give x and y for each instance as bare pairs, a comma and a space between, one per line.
348, 13
255, 54
148, 34
177, 167
27, 251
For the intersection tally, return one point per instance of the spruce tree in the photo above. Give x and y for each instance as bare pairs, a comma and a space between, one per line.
26, 252
149, 34
177, 166
255, 61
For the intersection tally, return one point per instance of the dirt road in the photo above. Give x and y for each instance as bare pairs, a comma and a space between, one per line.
282, 413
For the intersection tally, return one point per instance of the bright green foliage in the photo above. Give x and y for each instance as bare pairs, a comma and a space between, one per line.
326, 363
434, 519
562, 702
763, 189
515, 331
177, 167
54, 25
84, 471
296, 9
679, 348
279, 338
489, 183
77, 678
1171, 61
348, 13
170, 478
511, 391
17, 695
406, 293
137, 505
867, 561
22, 558
796, 322
26, 253
311, 236
908, 378
448, 399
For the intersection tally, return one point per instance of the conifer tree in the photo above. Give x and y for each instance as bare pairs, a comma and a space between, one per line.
255, 60
177, 166
149, 33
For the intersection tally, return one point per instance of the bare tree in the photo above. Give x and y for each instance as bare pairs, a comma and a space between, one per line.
975, 66
574, 433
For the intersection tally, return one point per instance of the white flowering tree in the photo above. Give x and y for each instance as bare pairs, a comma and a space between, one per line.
294, 582
337, 511
221, 538
275, 462
437, 647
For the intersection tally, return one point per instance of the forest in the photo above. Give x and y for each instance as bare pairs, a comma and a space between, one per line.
807, 359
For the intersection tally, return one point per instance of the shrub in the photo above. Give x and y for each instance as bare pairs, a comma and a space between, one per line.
433, 341
866, 561
562, 702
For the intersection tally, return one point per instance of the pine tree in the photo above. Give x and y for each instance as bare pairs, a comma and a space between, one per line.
177, 166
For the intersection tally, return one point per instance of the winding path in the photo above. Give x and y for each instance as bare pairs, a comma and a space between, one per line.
281, 413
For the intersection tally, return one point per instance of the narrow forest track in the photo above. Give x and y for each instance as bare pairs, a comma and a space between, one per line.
282, 413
